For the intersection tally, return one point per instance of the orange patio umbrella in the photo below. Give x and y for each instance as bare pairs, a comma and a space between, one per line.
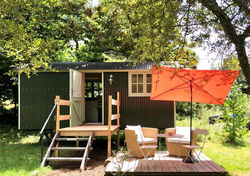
189, 85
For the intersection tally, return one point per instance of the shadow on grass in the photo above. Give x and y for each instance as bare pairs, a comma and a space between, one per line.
235, 145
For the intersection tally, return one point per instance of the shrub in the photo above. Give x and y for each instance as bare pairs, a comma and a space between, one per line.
234, 115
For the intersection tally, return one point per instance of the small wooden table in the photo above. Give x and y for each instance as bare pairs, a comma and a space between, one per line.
163, 135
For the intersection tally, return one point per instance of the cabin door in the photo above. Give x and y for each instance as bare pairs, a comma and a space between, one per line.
77, 99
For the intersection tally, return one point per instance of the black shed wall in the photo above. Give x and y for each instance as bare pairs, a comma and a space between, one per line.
137, 110
37, 95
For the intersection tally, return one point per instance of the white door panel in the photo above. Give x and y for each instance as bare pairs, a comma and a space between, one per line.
77, 92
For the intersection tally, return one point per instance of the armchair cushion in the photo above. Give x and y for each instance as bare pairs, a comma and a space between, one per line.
138, 131
184, 131
179, 140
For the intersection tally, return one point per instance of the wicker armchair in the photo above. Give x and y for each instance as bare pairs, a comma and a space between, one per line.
134, 143
174, 145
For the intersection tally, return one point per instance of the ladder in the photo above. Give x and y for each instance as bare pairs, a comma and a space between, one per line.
52, 147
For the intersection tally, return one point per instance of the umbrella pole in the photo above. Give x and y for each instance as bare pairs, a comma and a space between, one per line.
191, 118
191, 158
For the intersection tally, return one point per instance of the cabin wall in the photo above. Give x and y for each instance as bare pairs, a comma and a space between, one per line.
37, 95
137, 110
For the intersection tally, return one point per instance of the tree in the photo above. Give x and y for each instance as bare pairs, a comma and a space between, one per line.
163, 28
234, 115
36, 32
229, 20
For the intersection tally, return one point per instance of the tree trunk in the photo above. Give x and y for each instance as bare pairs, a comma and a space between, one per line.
237, 40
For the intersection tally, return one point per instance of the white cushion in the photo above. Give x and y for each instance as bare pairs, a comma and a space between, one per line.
138, 131
184, 131
179, 140
146, 140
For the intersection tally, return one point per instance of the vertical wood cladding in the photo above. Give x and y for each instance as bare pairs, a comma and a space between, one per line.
137, 110
37, 95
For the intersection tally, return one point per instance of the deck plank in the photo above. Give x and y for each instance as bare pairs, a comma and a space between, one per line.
184, 167
158, 167
85, 130
163, 164
144, 167
151, 165
138, 167
170, 166
207, 161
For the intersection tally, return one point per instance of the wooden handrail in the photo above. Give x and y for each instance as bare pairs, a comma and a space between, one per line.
113, 117
60, 117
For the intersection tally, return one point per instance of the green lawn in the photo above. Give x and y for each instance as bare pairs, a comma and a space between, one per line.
235, 159
19, 153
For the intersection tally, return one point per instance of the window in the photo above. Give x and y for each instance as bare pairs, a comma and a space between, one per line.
139, 84
93, 90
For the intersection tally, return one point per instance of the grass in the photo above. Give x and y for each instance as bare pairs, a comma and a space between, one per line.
20, 153
235, 159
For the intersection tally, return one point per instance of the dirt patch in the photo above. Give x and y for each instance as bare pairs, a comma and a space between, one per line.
95, 166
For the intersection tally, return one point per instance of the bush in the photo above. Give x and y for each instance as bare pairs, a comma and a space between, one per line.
8, 116
234, 115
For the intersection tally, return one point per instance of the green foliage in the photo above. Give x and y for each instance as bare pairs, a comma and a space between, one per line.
214, 130
234, 114
149, 30
183, 110
7, 87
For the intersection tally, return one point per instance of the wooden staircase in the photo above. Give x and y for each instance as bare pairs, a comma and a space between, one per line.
53, 147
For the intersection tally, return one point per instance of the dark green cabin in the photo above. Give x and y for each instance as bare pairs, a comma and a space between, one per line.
96, 81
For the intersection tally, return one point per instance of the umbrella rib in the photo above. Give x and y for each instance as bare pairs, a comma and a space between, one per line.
197, 87
201, 89
174, 88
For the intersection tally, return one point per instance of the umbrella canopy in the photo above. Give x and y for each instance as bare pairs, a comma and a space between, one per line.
204, 86
175, 84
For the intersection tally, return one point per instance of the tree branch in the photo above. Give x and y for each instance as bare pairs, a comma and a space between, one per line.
243, 5
246, 33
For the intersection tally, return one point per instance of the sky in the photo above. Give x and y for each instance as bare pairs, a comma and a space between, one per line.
207, 60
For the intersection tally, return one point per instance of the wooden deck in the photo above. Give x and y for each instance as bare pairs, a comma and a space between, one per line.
163, 164
86, 130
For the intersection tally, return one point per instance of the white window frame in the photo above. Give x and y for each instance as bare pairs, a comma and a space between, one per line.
144, 94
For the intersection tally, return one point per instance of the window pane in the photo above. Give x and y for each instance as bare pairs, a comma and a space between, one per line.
140, 78
149, 78
149, 88
134, 88
96, 85
140, 88
134, 78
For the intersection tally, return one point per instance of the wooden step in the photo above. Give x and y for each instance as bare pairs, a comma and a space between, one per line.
68, 148
64, 159
72, 139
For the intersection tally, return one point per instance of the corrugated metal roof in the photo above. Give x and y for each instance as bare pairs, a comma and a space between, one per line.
101, 66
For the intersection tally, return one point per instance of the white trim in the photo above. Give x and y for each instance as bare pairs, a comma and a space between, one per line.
70, 94
103, 98
102, 94
19, 100
144, 94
